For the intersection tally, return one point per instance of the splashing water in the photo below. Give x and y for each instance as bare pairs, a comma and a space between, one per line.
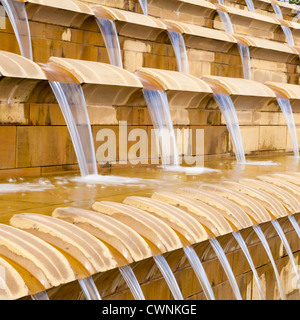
226, 266
72, 103
168, 276
144, 6
180, 51
132, 282
158, 107
17, 15
242, 244
246, 62
264, 242
40, 296
283, 238
200, 272
227, 108
89, 289
111, 40
287, 111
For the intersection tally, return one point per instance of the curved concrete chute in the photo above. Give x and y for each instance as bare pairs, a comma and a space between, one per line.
147, 225
272, 204
253, 208
89, 251
103, 84
40, 259
245, 94
131, 24
202, 38
200, 8
229, 209
285, 197
126, 242
268, 49
206, 215
287, 91
69, 13
291, 178
12, 285
182, 89
183, 223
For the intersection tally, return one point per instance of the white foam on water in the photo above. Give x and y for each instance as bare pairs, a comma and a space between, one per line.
259, 163
24, 187
188, 170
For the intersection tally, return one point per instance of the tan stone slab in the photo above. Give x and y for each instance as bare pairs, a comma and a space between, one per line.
250, 19
269, 50
131, 24
71, 13
147, 225
288, 91
195, 7
206, 215
183, 90
272, 204
12, 285
103, 84
15, 66
287, 199
88, 250
202, 38
245, 94
42, 260
230, 211
117, 235
184, 224
253, 208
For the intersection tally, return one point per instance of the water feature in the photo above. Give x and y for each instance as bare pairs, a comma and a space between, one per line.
287, 247
180, 51
226, 266
246, 62
250, 5
286, 30
40, 296
89, 289
226, 22
295, 225
287, 111
144, 6
237, 235
17, 15
264, 242
228, 111
158, 106
168, 276
109, 33
197, 266
132, 282
73, 106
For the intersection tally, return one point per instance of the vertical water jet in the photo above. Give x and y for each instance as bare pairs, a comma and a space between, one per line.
132, 282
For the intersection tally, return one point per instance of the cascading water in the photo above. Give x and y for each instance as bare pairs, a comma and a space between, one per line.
250, 5
226, 266
286, 30
227, 108
295, 225
199, 271
168, 276
246, 62
264, 242
72, 103
89, 289
287, 247
158, 107
180, 51
40, 296
242, 244
111, 40
17, 15
287, 111
243, 48
144, 6
132, 282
